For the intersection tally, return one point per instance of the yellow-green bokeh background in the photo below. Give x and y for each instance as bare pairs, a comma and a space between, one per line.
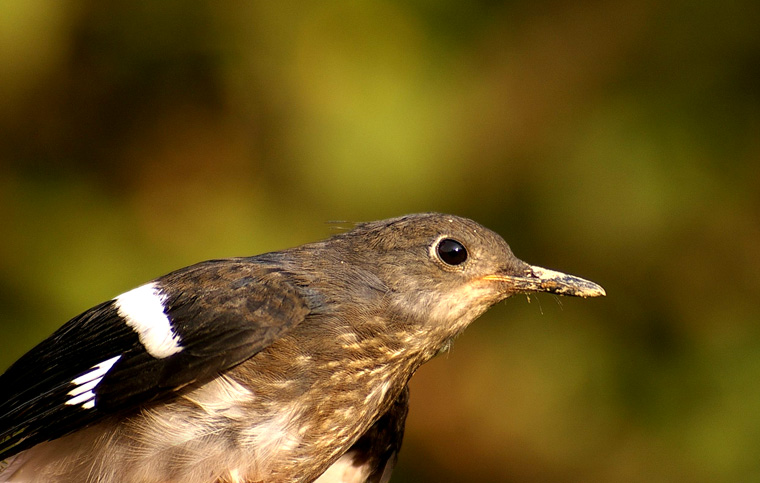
616, 140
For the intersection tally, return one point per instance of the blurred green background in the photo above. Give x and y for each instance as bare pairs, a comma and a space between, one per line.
616, 140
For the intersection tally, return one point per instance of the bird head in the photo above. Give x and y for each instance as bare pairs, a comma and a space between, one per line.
443, 271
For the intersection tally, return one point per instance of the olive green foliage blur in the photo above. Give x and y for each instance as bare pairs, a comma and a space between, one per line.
616, 140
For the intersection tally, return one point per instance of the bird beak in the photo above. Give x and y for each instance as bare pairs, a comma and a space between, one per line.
537, 279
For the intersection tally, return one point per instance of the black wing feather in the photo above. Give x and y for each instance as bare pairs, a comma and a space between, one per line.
224, 311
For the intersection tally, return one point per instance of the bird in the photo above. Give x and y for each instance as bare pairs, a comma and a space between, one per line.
289, 366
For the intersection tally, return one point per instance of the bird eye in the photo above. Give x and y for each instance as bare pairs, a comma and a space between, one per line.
451, 252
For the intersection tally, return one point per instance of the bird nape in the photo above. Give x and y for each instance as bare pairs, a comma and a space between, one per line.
282, 367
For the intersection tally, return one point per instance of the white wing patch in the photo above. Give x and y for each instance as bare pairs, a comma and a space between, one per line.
143, 310
82, 393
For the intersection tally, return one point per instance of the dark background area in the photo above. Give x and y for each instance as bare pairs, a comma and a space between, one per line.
619, 141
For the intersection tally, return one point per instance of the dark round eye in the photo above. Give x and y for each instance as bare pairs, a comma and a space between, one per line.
451, 252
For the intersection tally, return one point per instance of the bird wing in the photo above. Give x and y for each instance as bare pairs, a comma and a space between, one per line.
181, 329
